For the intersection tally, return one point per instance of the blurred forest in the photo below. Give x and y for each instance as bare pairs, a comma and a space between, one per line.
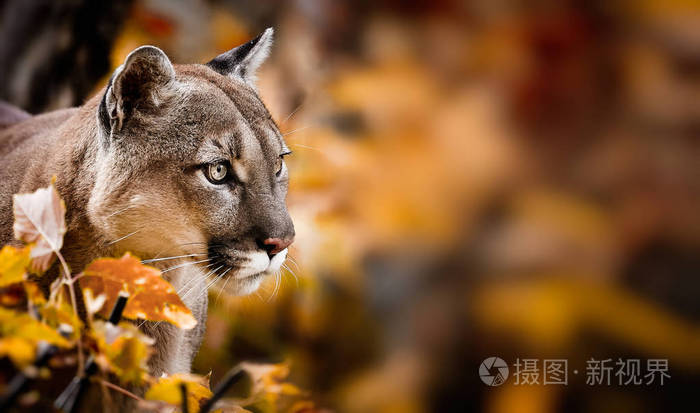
469, 179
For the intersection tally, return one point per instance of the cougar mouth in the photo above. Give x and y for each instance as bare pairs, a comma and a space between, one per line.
247, 267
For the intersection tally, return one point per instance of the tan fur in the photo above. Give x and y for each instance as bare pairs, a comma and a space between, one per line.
128, 164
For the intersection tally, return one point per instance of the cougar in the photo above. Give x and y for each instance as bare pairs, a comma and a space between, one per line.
180, 165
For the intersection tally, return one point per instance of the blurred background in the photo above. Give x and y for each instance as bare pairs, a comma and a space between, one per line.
469, 179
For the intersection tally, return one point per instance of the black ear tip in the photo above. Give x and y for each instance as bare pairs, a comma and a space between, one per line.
244, 60
265, 35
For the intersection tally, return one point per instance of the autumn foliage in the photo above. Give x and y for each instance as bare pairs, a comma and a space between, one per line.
120, 350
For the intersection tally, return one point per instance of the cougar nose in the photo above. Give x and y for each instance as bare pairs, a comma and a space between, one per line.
275, 245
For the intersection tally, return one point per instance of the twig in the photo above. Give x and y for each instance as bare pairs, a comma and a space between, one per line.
232, 377
183, 394
121, 390
106, 397
118, 308
71, 292
69, 400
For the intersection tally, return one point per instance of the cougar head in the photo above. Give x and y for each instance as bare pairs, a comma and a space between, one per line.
190, 164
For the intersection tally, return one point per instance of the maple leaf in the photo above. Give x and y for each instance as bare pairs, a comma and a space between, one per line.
40, 219
20, 334
167, 389
150, 296
13, 264
123, 349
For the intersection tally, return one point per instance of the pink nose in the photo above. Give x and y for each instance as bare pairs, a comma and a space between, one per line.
276, 245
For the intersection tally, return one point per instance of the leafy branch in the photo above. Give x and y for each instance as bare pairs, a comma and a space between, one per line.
113, 289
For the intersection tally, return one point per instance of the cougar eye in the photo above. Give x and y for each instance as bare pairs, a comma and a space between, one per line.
279, 166
216, 173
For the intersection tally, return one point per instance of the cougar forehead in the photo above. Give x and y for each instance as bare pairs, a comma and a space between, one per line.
203, 106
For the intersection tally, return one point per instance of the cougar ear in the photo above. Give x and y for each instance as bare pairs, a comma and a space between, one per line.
243, 61
137, 84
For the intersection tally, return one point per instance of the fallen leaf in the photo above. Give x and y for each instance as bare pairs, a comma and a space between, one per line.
40, 219
150, 296
13, 264
167, 389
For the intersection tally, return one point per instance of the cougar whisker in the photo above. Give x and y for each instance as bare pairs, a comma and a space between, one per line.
223, 287
289, 270
170, 258
188, 282
202, 278
122, 238
276, 287
198, 277
297, 130
308, 147
293, 261
184, 265
292, 114
120, 211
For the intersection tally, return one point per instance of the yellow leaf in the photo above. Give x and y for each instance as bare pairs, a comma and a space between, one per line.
150, 296
167, 389
34, 293
289, 389
20, 350
13, 264
21, 333
124, 350
62, 313
40, 219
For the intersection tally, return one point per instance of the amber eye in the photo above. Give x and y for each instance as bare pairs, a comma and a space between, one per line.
217, 173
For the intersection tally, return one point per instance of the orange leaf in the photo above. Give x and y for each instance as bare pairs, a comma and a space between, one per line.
150, 296
40, 219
